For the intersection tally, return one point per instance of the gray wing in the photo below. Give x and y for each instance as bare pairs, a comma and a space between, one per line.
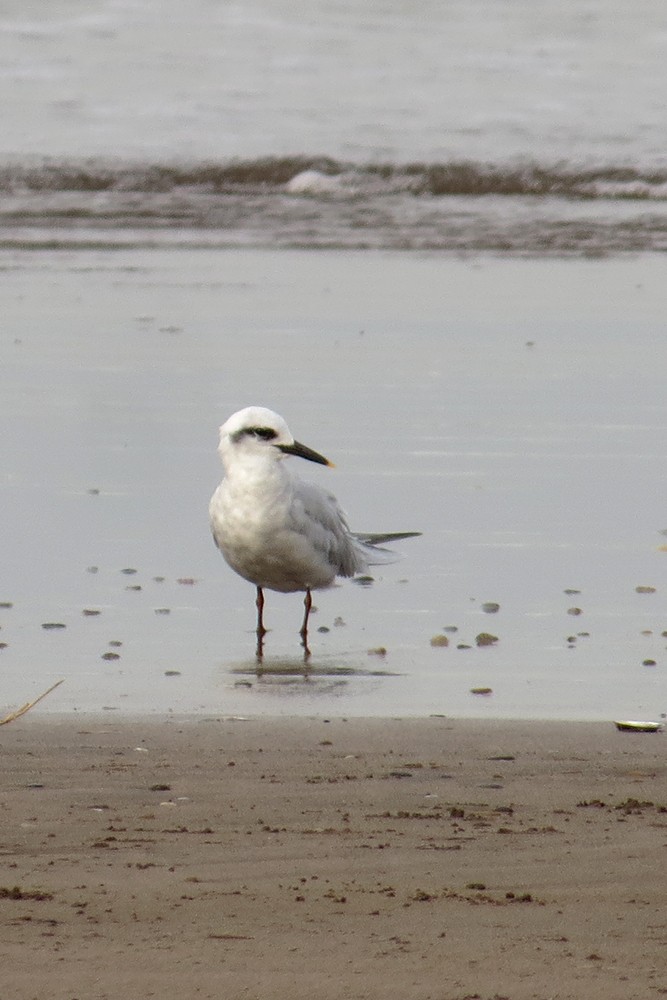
350, 552
328, 530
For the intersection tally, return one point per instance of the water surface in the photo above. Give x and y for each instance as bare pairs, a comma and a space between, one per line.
421, 234
470, 126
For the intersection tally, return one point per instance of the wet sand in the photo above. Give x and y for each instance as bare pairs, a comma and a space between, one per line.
513, 412
301, 858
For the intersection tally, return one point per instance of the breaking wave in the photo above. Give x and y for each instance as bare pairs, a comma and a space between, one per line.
316, 202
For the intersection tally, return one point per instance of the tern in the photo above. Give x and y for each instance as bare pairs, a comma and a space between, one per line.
276, 530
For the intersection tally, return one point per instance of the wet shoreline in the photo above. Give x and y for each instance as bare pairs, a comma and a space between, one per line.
511, 410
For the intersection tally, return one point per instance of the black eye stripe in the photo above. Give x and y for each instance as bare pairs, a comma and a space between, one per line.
265, 433
261, 433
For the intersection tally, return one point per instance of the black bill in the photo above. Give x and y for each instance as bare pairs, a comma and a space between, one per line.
303, 452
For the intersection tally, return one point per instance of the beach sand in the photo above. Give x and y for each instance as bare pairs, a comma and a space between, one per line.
382, 858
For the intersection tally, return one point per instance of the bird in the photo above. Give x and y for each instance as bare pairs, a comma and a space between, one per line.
277, 530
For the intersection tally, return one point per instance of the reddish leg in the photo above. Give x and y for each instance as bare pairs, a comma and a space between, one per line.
261, 631
307, 603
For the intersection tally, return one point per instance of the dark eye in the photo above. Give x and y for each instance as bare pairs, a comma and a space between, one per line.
264, 433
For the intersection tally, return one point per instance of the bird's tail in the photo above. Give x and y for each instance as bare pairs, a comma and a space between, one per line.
391, 536
371, 545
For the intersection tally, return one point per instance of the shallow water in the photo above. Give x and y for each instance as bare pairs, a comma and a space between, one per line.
513, 411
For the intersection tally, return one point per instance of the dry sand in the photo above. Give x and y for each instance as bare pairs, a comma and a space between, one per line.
424, 858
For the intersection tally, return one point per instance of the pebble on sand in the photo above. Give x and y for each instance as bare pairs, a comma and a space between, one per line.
439, 640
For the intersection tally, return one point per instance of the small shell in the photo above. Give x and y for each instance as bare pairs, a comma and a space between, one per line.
632, 726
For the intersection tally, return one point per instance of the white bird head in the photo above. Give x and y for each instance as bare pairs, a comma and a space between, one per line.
256, 432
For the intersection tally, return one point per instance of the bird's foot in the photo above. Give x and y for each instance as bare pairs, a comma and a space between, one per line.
259, 649
306, 648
